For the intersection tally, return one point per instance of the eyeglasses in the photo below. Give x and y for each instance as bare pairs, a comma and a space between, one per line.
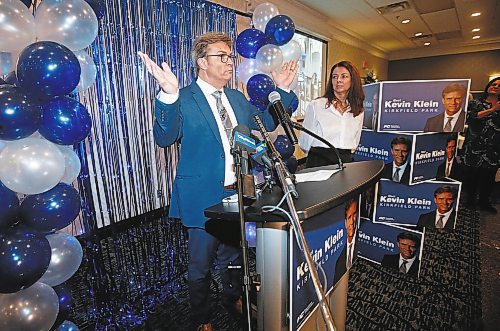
224, 57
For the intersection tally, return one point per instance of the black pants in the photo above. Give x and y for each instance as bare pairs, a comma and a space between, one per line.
479, 179
320, 156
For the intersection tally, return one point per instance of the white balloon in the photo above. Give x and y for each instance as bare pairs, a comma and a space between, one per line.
67, 254
269, 58
89, 70
71, 23
72, 162
31, 165
291, 51
3, 144
8, 62
263, 14
34, 308
246, 69
17, 26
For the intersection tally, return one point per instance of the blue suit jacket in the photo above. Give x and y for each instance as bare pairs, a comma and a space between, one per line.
199, 181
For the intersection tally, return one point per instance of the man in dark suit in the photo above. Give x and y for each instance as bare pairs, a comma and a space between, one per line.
444, 215
407, 260
200, 117
348, 254
399, 169
449, 168
453, 118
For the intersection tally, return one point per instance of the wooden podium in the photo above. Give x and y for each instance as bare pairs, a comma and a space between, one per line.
318, 202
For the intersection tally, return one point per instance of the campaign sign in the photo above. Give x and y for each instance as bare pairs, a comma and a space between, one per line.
371, 106
326, 236
378, 243
430, 155
377, 146
396, 204
419, 106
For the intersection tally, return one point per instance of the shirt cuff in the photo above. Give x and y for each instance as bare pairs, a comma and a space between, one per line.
167, 98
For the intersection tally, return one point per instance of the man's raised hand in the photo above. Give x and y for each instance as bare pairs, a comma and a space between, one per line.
163, 75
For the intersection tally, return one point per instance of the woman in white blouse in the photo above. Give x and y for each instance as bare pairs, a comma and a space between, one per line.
337, 117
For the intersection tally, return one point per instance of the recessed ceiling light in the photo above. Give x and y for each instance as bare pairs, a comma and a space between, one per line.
476, 37
475, 14
405, 21
427, 44
476, 30
418, 34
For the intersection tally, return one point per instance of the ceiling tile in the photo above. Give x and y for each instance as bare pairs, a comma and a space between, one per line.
442, 21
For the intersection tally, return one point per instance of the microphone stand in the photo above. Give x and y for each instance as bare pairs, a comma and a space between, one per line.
302, 243
237, 155
299, 127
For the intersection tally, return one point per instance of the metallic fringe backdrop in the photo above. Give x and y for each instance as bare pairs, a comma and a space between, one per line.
124, 174
130, 268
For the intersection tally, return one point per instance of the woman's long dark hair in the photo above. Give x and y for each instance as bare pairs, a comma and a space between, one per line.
485, 93
355, 95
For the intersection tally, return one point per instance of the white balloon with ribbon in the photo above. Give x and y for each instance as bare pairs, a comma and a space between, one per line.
269, 58
263, 14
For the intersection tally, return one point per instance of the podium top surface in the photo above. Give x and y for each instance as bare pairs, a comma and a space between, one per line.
314, 197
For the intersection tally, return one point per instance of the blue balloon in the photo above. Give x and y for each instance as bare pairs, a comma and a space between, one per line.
24, 257
9, 205
67, 326
259, 86
65, 304
284, 147
48, 69
52, 210
65, 121
249, 41
280, 29
293, 106
19, 116
98, 7
292, 164
11, 78
259, 105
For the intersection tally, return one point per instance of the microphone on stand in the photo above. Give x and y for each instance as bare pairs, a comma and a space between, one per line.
276, 157
275, 99
241, 146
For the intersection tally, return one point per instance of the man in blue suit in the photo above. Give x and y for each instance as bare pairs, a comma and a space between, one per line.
192, 116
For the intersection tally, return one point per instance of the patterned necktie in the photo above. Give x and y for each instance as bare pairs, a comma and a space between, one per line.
447, 172
224, 116
402, 268
439, 223
396, 175
349, 257
447, 126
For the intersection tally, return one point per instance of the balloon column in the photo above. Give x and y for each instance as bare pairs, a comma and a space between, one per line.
265, 48
37, 169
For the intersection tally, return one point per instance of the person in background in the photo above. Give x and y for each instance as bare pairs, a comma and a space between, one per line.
399, 170
336, 117
201, 117
453, 118
406, 261
481, 154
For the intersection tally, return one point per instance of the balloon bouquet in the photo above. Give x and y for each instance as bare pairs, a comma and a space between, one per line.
265, 48
39, 124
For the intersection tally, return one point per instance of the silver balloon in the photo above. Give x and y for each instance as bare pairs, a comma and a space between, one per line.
34, 308
89, 71
69, 22
67, 326
65, 260
72, 164
269, 58
3, 144
7, 62
262, 14
246, 69
31, 165
291, 51
17, 26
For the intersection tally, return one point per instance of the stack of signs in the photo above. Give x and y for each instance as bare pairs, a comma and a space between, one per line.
413, 127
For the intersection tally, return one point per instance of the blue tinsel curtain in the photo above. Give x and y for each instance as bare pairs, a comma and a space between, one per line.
124, 174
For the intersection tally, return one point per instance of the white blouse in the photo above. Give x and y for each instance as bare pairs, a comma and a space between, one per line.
341, 130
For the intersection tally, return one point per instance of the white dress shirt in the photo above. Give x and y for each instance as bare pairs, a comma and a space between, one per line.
207, 90
409, 262
341, 130
445, 218
453, 120
401, 169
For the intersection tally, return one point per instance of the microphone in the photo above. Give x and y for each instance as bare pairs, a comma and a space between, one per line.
241, 139
260, 156
275, 99
241, 146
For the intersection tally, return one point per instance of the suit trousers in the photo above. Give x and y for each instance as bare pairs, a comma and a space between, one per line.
204, 249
